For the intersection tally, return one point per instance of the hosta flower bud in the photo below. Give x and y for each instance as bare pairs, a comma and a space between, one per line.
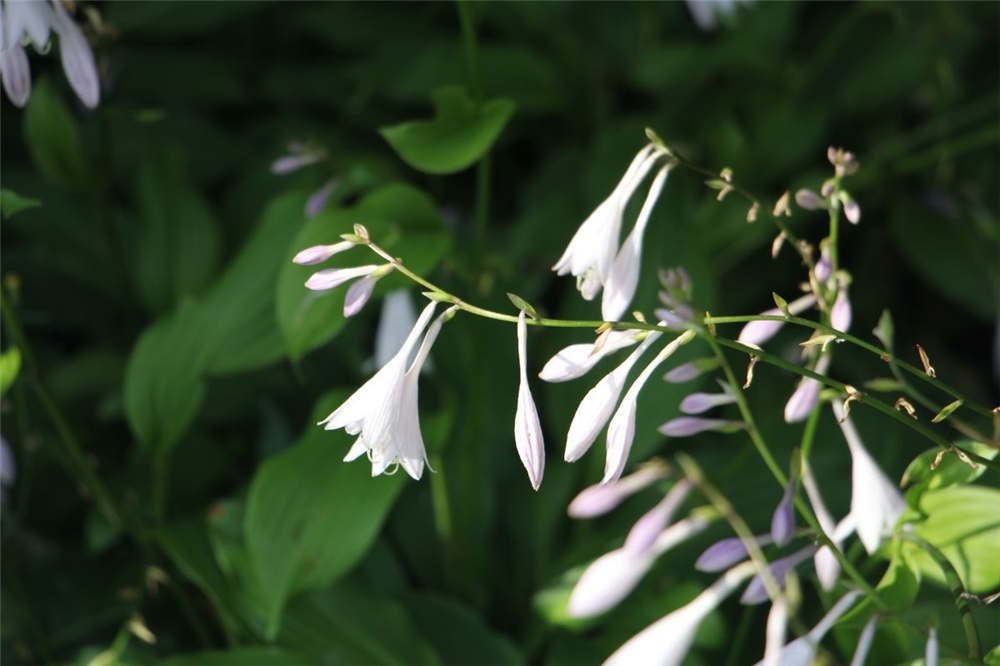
756, 592
317, 254
840, 313
600, 498
685, 426
783, 520
809, 200
727, 552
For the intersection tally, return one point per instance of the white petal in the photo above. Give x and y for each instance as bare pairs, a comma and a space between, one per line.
759, 332
329, 278
607, 581
358, 449
398, 317
931, 649
806, 394
77, 58
527, 427
27, 17
777, 624
358, 294
864, 642
317, 254
16, 75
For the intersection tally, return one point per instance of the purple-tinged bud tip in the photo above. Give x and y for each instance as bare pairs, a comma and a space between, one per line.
756, 592
724, 554
317, 254
682, 373
783, 520
824, 268
598, 499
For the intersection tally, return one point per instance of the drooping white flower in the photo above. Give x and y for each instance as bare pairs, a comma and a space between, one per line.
759, 332
612, 576
624, 276
596, 407
600, 498
621, 430
802, 651
876, 504
666, 642
806, 394
777, 624
576, 360
397, 318
527, 427
592, 250
383, 412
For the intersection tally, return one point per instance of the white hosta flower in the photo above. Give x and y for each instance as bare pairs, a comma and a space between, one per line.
612, 576
383, 412
596, 407
592, 250
577, 360
759, 332
802, 651
876, 504
331, 278
666, 642
621, 430
16, 75
527, 427
806, 394
398, 317
598, 499
624, 276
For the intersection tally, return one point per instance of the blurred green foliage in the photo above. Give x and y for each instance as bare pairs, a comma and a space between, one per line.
146, 255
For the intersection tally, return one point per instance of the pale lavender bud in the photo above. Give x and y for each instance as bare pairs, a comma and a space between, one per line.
685, 426
330, 278
824, 267
645, 531
783, 520
756, 592
600, 498
758, 332
16, 75
320, 198
806, 394
696, 403
827, 189
852, 211
317, 254
358, 294
682, 373
809, 200
723, 554
840, 313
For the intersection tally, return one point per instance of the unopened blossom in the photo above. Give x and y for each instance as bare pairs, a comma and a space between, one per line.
806, 394
383, 412
875, 501
651, 524
783, 520
8, 469
592, 250
843, 161
576, 360
597, 405
685, 426
727, 552
600, 498
696, 403
824, 267
758, 332
396, 319
666, 642
331, 278
358, 294
299, 155
685, 372
802, 651
865, 641
527, 427
840, 313
756, 591
23, 22
624, 275
809, 200
318, 200
852, 211
317, 254
621, 430
612, 576
826, 563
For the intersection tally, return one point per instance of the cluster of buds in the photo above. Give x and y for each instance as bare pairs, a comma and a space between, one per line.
831, 194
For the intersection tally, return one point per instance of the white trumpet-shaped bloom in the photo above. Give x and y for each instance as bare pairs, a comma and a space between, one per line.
876, 504
666, 642
592, 250
802, 651
527, 427
596, 407
624, 276
383, 412
621, 430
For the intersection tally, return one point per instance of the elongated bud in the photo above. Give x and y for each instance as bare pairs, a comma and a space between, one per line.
756, 333
329, 278
756, 592
852, 211
926, 361
688, 371
651, 524
685, 426
783, 520
600, 498
527, 426
318, 200
696, 403
727, 552
809, 200
358, 294
806, 394
317, 254
824, 267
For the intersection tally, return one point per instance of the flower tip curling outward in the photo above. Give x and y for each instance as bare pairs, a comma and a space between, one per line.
527, 426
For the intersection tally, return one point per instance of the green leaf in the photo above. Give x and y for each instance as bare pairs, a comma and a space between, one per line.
10, 365
899, 585
310, 516
53, 138
241, 656
401, 219
781, 303
459, 634
178, 242
12, 203
963, 522
461, 132
950, 470
522, 304
946, 411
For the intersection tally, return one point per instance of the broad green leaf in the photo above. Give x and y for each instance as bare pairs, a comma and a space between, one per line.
993, 656
311, 516
963, 522
919, 477
10, 365
401, 219
12, 203
177, 239
459, 634
53, 138
899, 585
461, 132
244, 656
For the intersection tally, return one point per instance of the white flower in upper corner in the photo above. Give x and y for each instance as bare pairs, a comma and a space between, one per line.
32, 21
806, 394
759, 332
666, 642
576, 360
383, 412
623, 279
527, 427
592, 250
706, 13
802, 651
876, 504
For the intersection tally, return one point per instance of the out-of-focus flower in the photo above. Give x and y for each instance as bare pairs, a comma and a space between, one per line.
685, 426
624, 276
666, 642
527, 427
726, 553
875, 502
802, 651
706, 13
783, 520
865, 642
8, 469
806, 394
593, 248
383, 412
756, 333
777, 625
809, 200
648, 527
600, 498
840, 313
685, 372
359, 292
318, 200
824, 267
31, 21
300, 154
756, 591
843, 161
696, 403
577, 360
931, 649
